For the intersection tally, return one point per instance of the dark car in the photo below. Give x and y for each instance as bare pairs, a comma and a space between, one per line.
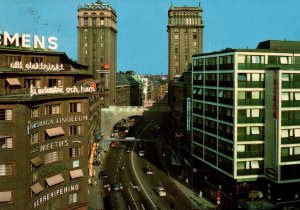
117, 186
148, 170
127, 149
102, 175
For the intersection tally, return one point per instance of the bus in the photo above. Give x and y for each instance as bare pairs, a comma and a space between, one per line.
117, 201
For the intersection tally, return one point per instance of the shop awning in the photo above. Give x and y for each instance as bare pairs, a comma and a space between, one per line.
76, 174
37, 188
53, 180
37, 161
13, 81
1, 137
51, 132
5, 196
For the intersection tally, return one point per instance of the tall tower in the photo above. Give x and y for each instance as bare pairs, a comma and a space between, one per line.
97, 42
185, 37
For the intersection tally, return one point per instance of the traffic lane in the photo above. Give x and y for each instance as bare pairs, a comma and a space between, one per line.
133, 193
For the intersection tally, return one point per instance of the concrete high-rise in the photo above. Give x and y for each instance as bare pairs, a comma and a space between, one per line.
246, 125
97, 43
185, 37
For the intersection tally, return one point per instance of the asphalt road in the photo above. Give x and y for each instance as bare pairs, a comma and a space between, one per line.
138, 187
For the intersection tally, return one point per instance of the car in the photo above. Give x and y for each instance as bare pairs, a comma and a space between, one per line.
148, 170
127, 150
141, 153
117, 186
160, 191
102, 175
172, 206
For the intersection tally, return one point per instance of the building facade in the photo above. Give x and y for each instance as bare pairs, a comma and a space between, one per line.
245, 124
46, 125
185, 37
97, 45
128, 91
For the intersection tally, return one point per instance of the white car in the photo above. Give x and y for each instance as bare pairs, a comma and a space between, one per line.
160, 191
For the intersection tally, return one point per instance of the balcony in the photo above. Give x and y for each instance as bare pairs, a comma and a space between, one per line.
198, 111
228, 101
253, 137
198, 82
250, 66
248, 84
290, 85
290, 103
290, 140
228, 66
287, 122
245, 172
251, 102
250, 154
211, 98
290, 158
226, 83
226, 118
251, 120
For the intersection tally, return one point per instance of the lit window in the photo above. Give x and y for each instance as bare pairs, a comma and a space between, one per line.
34, 112
5, 114
52, 109
52, 157
74, 152
75, 130
6, 169
73, 198
176, 36
75, 107
34, 138
6, 142
54, 82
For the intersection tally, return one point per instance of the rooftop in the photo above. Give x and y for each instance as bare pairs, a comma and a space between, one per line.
97, 5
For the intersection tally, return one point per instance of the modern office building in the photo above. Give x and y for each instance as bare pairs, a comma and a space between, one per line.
97, 45
48, 109
185, 37
246, 125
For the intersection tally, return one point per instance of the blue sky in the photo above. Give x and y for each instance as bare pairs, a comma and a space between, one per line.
142, 25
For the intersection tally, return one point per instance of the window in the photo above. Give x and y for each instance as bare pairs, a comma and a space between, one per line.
13, 59
93, 21
36, 60
33, 82
75, 107
54, 82
34, 138
194, 44
73, 198
52, 109
85, 21
52, 157
34, 112
6, 169
194, 36
75, 130
102, 21
176, 36
74, 152
35, 176
5, 114
6, 142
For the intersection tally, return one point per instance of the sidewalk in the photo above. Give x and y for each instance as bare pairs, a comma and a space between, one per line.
95, 190
194, 197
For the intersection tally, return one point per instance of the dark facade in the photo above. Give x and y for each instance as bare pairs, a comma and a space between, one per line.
97, 45
47, 108
128, 91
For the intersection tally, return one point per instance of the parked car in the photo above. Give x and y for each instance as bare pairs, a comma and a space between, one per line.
102, 175
148, 170
160, 191
117, 186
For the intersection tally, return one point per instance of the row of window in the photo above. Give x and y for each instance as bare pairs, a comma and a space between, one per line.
247, 59
18, 58
51, 157
53, 109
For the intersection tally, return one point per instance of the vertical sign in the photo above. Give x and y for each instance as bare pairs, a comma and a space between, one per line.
188, 114
275, 99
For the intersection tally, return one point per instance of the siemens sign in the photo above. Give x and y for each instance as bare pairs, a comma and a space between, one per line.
28, 41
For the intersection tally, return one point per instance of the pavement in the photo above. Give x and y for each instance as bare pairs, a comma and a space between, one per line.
96, 190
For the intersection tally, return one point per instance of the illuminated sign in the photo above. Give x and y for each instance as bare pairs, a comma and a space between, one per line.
106, 66
54, 145
28, 41
60, 90
37, 66
55, 193
47, 122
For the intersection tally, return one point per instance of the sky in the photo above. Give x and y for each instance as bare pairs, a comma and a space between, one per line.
142, 39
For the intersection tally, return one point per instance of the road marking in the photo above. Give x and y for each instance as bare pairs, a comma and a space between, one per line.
160, 184
133, 199
143, 206
172, 197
